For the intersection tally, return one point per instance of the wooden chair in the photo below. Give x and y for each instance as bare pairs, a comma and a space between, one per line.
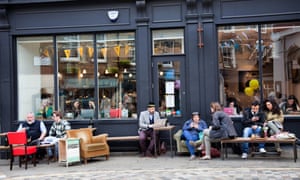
18, 147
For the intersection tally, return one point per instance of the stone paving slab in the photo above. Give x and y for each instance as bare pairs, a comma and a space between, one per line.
131, 166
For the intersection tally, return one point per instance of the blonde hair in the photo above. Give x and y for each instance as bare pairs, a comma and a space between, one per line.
215, 106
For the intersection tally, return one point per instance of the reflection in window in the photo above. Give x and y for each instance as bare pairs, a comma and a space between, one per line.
76, 76
169, 88
240, 53
115, 76
35, 76
116, 68
166, 42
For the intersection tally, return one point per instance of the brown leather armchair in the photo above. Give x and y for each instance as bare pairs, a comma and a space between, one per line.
90, 146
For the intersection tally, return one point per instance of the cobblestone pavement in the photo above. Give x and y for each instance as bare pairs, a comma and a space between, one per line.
131, 166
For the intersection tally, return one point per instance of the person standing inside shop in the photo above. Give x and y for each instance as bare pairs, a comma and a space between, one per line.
146, 123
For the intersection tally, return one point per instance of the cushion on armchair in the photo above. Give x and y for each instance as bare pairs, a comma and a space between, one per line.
180, 142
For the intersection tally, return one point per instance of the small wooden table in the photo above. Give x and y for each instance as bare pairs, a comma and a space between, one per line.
224, 143
164, 128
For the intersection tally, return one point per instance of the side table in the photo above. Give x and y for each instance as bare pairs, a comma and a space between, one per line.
68, 150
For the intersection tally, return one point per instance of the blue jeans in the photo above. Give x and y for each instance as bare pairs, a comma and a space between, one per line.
190, 137
248, 131
50, 153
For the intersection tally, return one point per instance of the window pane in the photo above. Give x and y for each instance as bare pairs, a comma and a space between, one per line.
76, 76
35, 76
239, 54
116, 76
166, 42
169, 88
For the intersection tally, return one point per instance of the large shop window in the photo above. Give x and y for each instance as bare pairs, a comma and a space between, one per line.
266, 52
91, 84
35, 76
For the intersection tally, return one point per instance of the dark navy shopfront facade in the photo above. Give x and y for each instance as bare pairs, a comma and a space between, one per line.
199, 66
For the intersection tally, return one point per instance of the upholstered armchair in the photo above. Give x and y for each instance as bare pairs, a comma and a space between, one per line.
90, 146
180, 143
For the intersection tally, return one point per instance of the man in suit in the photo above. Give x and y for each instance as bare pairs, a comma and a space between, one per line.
146, 123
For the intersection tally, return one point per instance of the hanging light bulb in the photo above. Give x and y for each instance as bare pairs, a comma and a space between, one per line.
116, 75
84, 71
125, 70
81, 75
106, 71
161, 73
98, 74
130, 75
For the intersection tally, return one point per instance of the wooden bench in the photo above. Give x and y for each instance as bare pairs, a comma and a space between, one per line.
224, 143
123, 138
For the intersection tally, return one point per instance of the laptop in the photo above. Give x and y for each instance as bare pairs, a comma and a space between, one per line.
228, 110
87, 113
160, 123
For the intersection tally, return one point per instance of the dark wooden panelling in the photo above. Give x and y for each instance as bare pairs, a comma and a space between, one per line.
166, 13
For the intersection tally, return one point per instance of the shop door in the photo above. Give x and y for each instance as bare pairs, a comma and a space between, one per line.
169, 87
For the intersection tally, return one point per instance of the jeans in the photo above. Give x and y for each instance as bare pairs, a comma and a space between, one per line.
50, 153
248, 131
190, 137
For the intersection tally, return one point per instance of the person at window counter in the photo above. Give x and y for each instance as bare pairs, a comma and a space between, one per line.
146, 123
76, 109
291, 106
191, 129
253, 121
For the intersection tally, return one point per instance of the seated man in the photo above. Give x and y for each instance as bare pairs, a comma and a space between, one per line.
253, 121
191, 130
146, 122
57, 130
35, 130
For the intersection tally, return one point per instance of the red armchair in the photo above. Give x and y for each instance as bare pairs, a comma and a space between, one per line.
18, 147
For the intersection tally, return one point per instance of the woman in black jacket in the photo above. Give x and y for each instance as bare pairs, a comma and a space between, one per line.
221, 128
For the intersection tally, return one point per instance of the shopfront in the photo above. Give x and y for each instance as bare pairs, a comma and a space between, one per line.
101, 63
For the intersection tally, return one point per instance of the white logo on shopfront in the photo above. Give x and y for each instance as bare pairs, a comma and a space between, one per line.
113, 15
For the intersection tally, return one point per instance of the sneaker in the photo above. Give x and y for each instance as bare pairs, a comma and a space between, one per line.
244, 156
262, 150
192, 157
206, 157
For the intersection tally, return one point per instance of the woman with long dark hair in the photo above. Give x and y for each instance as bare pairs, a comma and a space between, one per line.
273, 118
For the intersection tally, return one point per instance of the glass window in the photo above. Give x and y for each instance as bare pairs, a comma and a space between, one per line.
115, 96
35, 76
116, 68
278, 51
76, 76
169, 88
168, 42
